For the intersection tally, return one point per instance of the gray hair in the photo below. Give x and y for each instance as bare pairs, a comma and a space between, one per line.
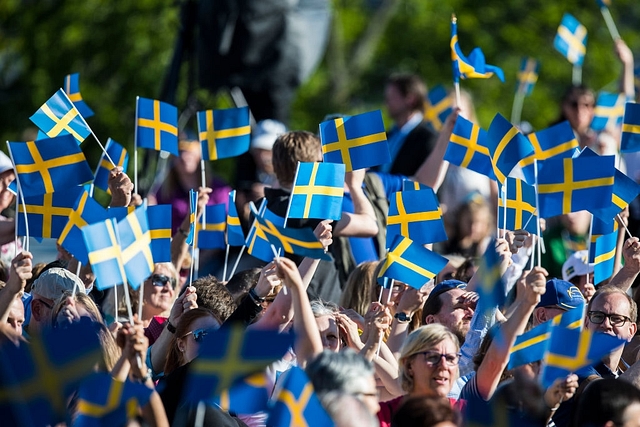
344, 372
324, 308
347, 411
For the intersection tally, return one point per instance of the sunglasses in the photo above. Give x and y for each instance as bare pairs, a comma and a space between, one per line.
198, 334
161, 280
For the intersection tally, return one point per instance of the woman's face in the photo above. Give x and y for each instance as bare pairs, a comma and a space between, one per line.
329, 333
579, 111
188, 161
433, 378
189, 344
159, 292
6, 196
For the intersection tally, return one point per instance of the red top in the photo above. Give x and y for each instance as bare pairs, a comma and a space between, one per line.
387, 409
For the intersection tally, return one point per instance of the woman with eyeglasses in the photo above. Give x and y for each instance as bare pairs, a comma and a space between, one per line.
159, 293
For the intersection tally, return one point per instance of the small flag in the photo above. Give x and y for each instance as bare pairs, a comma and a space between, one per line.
47, 214
358, 141
603, 3
521, 206
72, 89
507, 146
156, 125
602, 249
631, 128
257, 243
472, 67
408, 185
211, 235
416, 215
119, 155
58, 116
86, 210
246, 396
296, 404
527, 76
490, 284
135, 242
571, 40
557, 141
411, 263
235, 235
468, 148
104, 253
49, 165
609, 110
224, 133
624, 191
159, 217
193, 206
317, 191
437, 107
570, 185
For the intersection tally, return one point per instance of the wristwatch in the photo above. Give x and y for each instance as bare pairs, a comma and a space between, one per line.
402, 317
170, 327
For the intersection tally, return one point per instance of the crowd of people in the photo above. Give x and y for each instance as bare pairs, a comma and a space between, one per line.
398, 356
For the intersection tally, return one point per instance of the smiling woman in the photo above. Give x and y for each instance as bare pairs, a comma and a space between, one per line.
159, 292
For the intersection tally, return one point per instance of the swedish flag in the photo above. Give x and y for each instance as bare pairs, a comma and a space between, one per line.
527, 76
358, 141
472, 67
85, 211
47, 214
135, 241
521, 206
630, 128
156, 125
437, 107
468, 148
49, 165
602, 248
571, 39
58, 116
159, 217
408, 185
235, 235
104, 253
257, 243
119, 155
317, 191
609, 110
72, 89
193, 206
416, 215
491, 286
625, 190
298, 241
507, 146
224, 133
246, 396
211, 235
411, 263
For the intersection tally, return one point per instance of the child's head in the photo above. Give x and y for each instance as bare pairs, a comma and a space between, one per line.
291, 148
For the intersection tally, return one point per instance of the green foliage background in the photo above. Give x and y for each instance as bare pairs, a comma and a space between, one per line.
122, 49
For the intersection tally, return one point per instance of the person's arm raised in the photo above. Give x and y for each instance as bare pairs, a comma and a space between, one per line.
362, 222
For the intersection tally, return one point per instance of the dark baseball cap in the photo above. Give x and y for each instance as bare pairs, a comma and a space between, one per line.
442, 287
562, 294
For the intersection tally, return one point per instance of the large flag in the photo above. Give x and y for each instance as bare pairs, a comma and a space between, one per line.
135, 241
358, 141
49, 165
631, 128
211, 235
527, 76
609, 110
521, 206
235, 235
159, 217
224, 133
36, 380
85, 211
230, 354
156, 125
193, 207
468, 148
416, 215
411, 263
257, 243
72, 89
472, 67
47, 214
557, 141
490, 285
570, 185
58, 116
507, 146
296, 404
437, 107
119, 155
317, 191
104, 252
571, 40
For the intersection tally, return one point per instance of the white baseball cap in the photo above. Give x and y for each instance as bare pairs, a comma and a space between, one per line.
577, 265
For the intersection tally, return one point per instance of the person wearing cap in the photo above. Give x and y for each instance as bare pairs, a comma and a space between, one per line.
578, 271
450, 304
8, 243
560, 296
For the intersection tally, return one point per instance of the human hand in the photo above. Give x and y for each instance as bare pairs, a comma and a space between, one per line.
631, 254
535, 286
411, 300
182, 304
120, 186
624, 54
324, 233
268, 280
561, 390
20, 272
288, 272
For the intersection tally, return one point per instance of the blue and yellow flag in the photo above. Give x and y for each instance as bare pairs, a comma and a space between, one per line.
437, 107
490, 284
246, 396
296, 404
235, 235
49, 165
193, 206
156, 125
358, 141
609, 110
104, 252
507, 147
557, 141
521, 206
527, 76
211, 234
119, 155
47, 214
230, 354
603, 3
411, 263
317, 191
468, 148
105, 401
258, 246
72, 89
416, 215
624, 191
159, 217
86, 210
571, 40
408, 185
571, 185
630, 128
472, 67
135, 242
224, 133
602, 248
37, 380
58, 116
572, 349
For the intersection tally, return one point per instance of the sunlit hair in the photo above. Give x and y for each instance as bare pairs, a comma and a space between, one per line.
422, 339
358, 291
324, 308
291, 148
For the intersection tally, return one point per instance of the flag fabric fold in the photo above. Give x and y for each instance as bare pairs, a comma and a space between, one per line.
521, 206
472, 67
257, 243
86, 210
224, 133
317, 191
507, 147
468, 148
156, 125
58, 117
135, 244
235, 234
193, 206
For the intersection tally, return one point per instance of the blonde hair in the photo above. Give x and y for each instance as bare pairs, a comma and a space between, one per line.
358, 291
422, 339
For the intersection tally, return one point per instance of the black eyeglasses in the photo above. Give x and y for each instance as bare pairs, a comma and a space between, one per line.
198, 334
574, 104
160, 280
433, 358
46, 304
598, 317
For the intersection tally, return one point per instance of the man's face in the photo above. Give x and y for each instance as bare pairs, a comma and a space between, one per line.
616, 304
16, 316
397, 104
455, 313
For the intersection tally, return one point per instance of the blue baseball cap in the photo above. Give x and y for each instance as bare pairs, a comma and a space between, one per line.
441, 288
562, 294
